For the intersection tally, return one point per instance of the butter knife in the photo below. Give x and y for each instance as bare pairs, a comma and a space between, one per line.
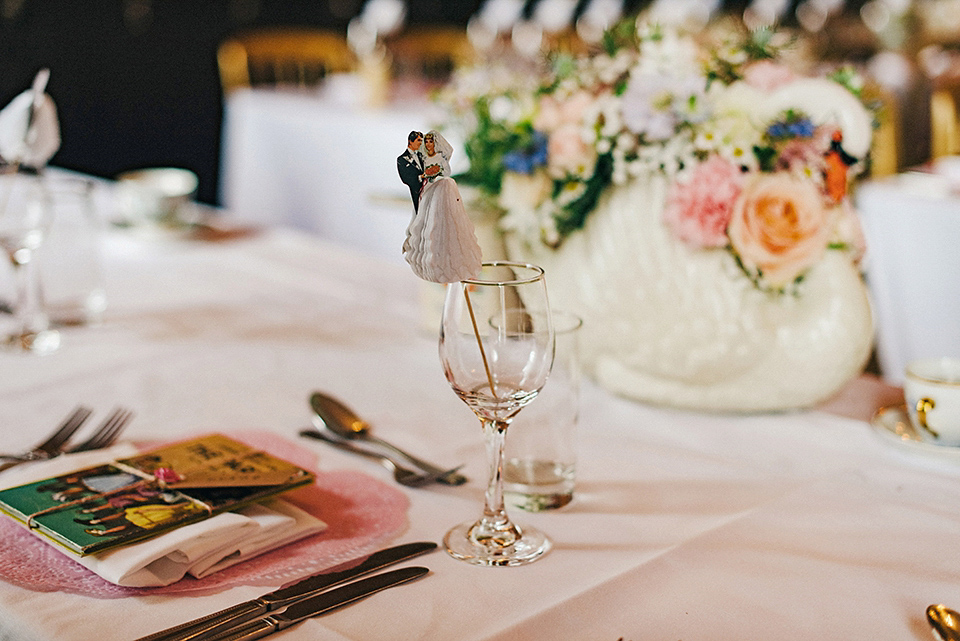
285, 596
320, 604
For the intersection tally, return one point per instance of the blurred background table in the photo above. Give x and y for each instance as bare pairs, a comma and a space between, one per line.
912, 226
319, 163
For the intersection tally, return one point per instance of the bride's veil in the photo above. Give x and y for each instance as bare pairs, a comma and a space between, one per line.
441, 144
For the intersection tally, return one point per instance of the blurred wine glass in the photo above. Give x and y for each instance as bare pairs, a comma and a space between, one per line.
24, 220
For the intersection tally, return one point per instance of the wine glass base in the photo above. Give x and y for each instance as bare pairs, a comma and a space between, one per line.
532, 545
42, 342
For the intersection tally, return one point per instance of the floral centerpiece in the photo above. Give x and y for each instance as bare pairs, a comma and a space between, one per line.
687, 195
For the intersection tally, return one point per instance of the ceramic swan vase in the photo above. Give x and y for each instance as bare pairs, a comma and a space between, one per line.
672, 325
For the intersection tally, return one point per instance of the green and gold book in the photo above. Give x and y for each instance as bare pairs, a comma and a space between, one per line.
132, 499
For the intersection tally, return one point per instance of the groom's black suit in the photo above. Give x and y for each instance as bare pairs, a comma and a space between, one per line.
410, 168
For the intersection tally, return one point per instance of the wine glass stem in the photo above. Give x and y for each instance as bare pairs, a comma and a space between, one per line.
495, 528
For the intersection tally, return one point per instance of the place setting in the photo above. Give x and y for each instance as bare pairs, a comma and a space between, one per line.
123, 513
117, 504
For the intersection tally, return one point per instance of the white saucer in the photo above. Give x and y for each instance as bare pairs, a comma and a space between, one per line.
894, 426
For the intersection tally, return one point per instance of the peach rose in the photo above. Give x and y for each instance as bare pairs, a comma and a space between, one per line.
779, 226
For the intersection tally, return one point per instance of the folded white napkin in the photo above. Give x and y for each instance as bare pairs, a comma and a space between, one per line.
30, 139
199, 549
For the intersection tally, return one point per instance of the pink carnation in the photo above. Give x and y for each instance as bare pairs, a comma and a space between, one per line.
699, 209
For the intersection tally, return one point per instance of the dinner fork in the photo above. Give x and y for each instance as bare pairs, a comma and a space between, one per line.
54, 443
106, 433
401, 474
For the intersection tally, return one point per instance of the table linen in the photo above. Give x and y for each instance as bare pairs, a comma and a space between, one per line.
684, 525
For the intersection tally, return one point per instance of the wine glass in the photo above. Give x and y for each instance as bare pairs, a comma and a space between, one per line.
24, 219
496, 346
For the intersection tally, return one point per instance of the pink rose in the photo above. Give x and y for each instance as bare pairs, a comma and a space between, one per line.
567, 153
698, 210
549, 114
767, 75
575, 107
553, 114
779, 226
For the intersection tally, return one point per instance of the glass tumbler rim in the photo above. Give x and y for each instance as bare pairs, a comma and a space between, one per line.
539, 273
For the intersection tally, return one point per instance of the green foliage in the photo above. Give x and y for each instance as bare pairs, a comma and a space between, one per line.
621, 35
486, 146
573, 216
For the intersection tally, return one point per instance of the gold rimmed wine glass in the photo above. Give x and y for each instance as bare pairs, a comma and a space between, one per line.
497, 366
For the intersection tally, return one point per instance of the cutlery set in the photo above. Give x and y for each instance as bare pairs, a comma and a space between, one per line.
402, 475
334, 424
337, 425
104, 435
306, 598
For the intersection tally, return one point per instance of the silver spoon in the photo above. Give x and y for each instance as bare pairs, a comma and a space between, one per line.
401, 474
343, 422
944, 621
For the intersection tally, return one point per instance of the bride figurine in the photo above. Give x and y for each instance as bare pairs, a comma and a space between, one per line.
441, 245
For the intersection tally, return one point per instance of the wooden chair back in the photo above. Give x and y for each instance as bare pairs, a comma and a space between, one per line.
429, 52
282, 56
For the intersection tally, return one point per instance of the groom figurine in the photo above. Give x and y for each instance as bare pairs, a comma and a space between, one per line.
410, 167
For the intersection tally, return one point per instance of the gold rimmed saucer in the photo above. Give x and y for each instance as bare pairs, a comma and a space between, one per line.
893, 424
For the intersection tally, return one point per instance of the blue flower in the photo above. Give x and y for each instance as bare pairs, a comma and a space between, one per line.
802, 128
777, 130
525, 160
792, 128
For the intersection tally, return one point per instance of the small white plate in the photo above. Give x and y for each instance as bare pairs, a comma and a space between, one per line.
893, 425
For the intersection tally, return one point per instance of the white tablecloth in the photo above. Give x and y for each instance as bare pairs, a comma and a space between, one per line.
687, 526
317, 162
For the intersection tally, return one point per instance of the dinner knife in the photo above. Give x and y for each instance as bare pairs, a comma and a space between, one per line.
319, 604
284, 596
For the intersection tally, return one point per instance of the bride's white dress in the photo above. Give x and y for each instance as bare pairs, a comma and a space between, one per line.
441, 245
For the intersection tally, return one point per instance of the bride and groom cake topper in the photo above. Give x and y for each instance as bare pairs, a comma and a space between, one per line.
440, 244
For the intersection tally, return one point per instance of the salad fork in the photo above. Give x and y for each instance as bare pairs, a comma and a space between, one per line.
53, 445
106, 433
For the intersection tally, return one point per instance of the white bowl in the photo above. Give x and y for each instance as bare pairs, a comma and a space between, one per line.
156, 195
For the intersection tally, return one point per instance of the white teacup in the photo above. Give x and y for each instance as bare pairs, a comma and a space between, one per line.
155, 196
932, 392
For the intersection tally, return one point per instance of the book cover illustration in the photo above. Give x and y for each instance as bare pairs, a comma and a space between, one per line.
132, 499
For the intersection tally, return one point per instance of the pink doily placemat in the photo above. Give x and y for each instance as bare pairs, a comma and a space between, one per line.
360, 511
